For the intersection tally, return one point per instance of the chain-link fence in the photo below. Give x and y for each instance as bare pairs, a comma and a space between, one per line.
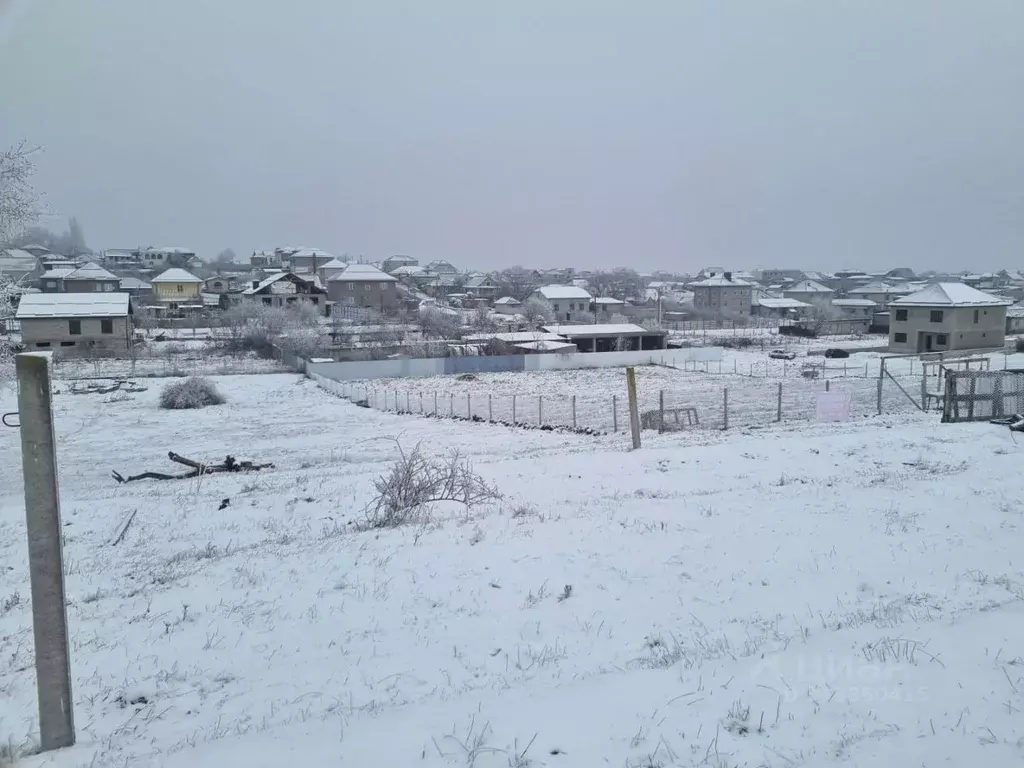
668, 399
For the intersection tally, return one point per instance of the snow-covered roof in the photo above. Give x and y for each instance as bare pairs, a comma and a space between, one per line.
608, 300
808, 286
134, 284
309, 253
1015, 311
950, 295
853, 303
556, 292
90, 271
57, 274
599, 329
771, 303
17, 255
354, 273
881, 286
515, 337
508, 301
720, 282
42, 305
333, 264
411, 269
171, 249
176, 275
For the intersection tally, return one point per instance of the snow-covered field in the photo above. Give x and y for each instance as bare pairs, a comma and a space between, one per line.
845, 594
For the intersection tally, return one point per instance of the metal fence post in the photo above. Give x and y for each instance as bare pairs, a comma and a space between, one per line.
540, 410
469, 407
661, 410
451, 405
435, 402
778, 411
574, 411
725, 407
826, 385
490, 408
45, 555
615, 414
513, 410
421, 402
408, 404
880, 393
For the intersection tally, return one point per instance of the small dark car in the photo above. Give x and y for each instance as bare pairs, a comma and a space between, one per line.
836, 353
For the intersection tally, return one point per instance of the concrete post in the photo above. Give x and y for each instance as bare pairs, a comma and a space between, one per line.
490, 408
540, 410
661, 410
634, 410
725, 408
778, 413
615, 414
469, 407
574, 411
513, 410
45, 556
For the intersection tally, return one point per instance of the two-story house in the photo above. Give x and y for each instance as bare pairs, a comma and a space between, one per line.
89, 278
726, 295
946, 316
363, 285
285, 289
176, 287
569, 304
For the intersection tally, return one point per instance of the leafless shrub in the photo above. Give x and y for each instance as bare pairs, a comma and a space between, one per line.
8, 604
565, 594
417, 479
738, 719
890, 650
11, 752
193, 392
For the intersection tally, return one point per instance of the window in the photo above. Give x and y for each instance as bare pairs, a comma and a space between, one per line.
900, 338
366, 287
181, 288
51, 283
42, 343
554, 307
901, 314
936, 316
383, 286
67, 343
75, 327
975, 316
351, 286
941, 339
97, 287
106, 325
267, 301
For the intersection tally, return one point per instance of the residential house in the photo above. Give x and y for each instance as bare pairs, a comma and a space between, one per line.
854, 308
169, 256
286, 289
440, 267
52, 281
773, 306
121, 258
176, 287
481, 287
725, 296
606, 307
391, 263
363, 285
17, 265
506, 305
881, 292
1014, 320
82, 322
306, 260
947, 316
39, 251
139, 290
808, 291
90, 278
330, 269
223, 284
901, 274
567, 303
264, 259
778, 276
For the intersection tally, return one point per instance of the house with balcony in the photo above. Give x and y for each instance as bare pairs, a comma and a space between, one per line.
363, 285
176, 287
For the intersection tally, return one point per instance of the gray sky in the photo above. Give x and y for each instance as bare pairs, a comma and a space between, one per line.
676, 134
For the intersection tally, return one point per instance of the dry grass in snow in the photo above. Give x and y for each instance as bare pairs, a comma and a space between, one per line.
794, 597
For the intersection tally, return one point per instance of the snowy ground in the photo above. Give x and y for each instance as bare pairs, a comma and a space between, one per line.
784, 597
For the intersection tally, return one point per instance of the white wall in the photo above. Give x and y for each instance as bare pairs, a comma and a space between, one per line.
437, 366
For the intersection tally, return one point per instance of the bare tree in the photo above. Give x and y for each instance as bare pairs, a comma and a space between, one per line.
481, 320
8, 292
436, 324
516, 282
19, 202
537, 311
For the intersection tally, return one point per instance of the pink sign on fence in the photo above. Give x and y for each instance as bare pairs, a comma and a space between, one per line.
833, 406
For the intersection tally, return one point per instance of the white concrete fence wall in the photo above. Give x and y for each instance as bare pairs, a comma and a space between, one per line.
439, 366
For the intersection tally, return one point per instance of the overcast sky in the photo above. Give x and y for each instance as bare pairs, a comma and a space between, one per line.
676, 134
